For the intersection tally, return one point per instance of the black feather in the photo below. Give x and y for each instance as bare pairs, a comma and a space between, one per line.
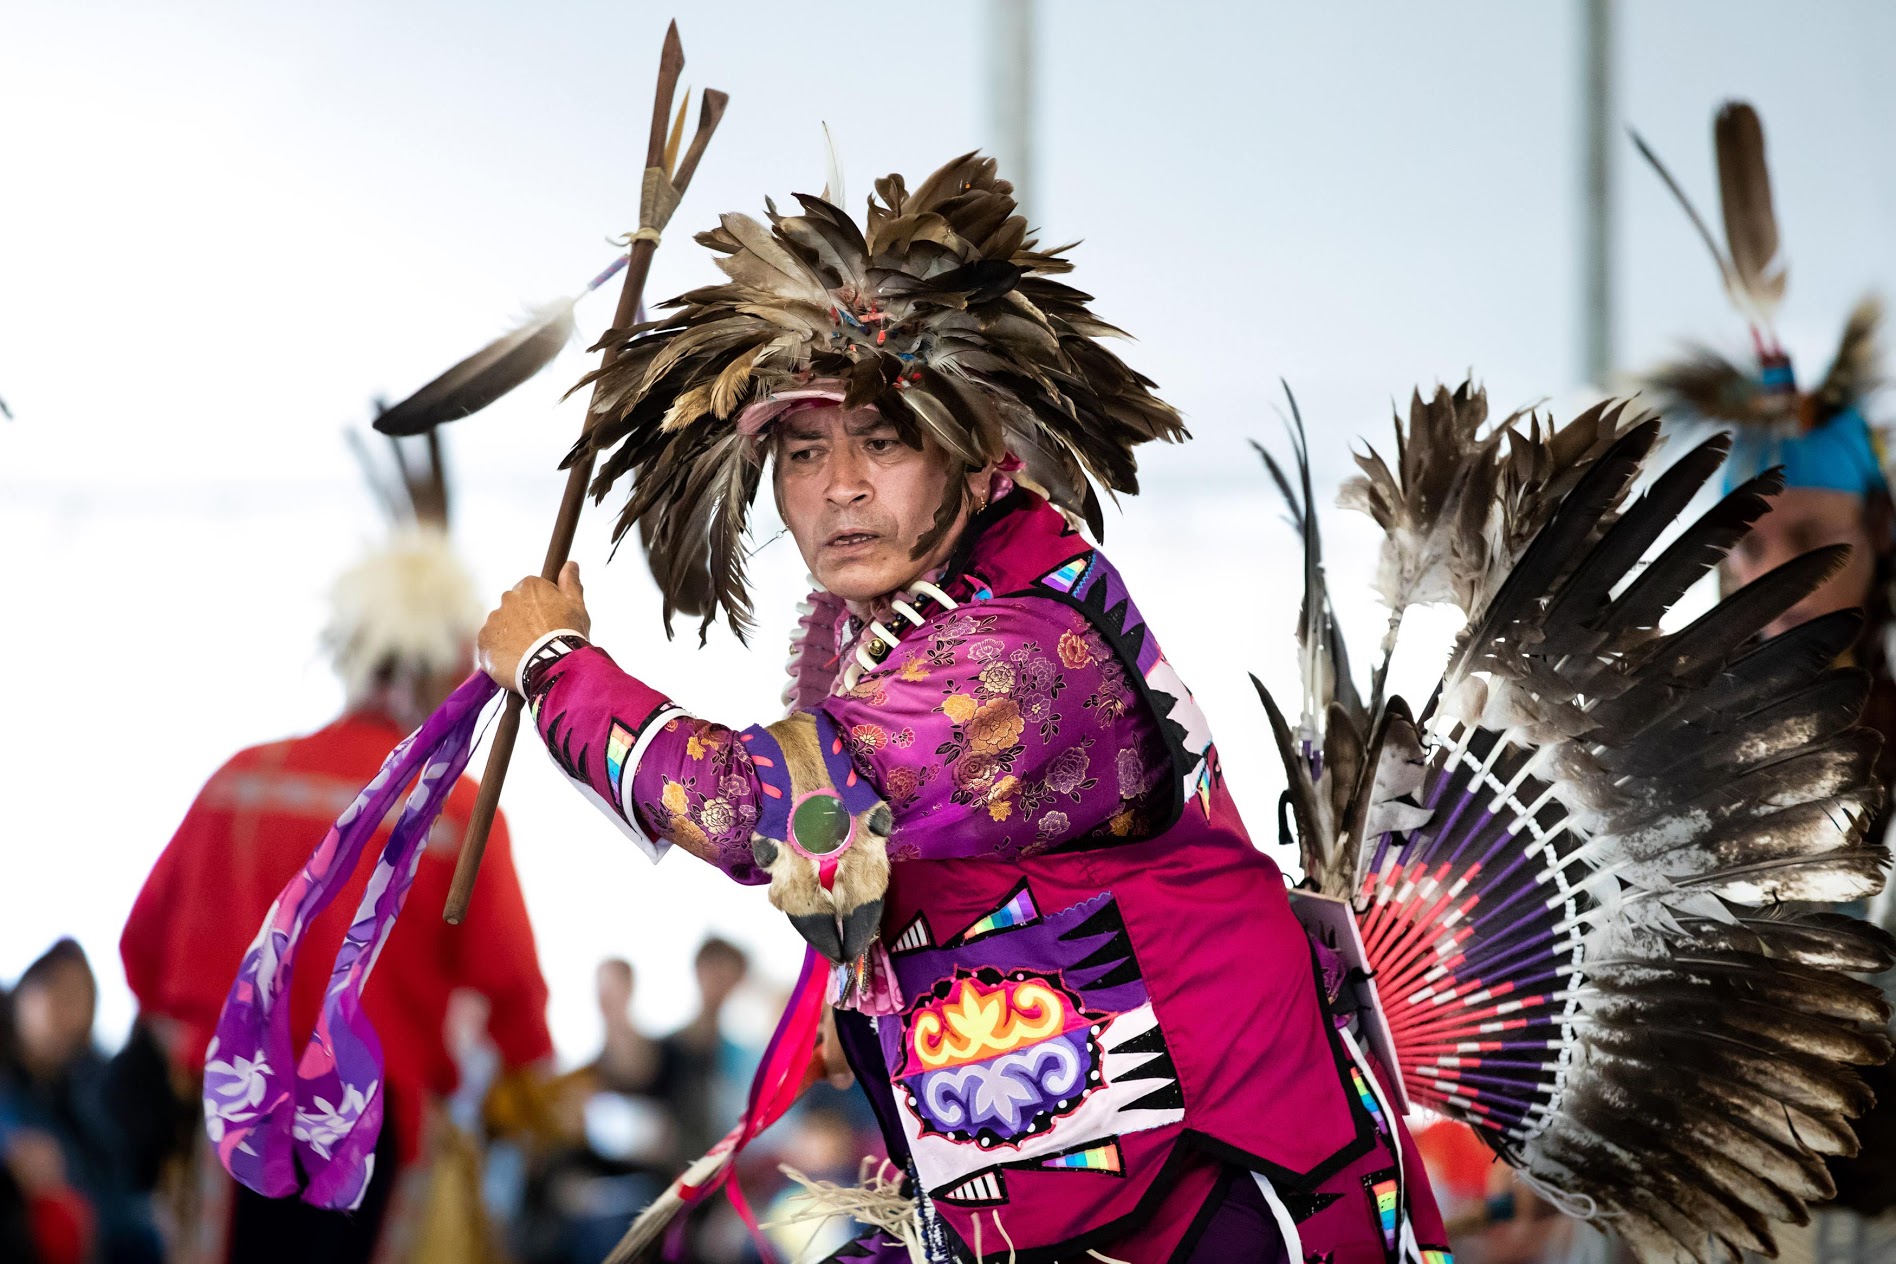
1698, 549
1586, 592
1556, 545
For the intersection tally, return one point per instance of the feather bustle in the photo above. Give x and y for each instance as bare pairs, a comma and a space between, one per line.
1581, 936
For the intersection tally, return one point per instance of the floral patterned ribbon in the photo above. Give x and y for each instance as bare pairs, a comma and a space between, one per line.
265, 1123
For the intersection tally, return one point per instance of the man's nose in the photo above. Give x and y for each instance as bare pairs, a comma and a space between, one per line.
1774, 554
848, 477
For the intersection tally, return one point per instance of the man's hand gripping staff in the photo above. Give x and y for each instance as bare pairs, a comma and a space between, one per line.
822, 835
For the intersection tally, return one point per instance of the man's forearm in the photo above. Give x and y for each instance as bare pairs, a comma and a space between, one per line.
664, 776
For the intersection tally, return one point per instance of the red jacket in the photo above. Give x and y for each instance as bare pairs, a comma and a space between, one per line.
253, 824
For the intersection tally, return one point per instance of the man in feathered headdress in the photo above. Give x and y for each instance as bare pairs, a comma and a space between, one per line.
401, 627
1073, 990
1835, 492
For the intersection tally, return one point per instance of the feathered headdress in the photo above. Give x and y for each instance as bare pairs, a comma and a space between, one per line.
941, 313
1819, 436
409, 609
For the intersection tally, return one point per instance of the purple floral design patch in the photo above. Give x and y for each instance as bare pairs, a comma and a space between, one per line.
995, 1057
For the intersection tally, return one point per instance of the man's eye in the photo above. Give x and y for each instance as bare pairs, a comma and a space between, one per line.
802, 456
879, 446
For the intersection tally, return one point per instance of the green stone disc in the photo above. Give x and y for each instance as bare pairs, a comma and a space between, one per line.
820, 824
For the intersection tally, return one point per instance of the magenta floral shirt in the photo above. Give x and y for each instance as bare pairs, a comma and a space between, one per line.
1000, 729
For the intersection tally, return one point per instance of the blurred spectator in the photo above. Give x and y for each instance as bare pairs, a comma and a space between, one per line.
702, 1072
609, 1151
17, 1237
628, 1061
477, 1060
823, 1145
65, 1146
16, 1223
254, 825
58, 1219
158, 1113
703, 1079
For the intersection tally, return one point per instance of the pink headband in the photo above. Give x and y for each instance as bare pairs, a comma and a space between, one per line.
753, 417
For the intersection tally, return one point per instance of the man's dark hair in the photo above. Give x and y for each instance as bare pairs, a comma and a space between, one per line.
63, 954
716, 947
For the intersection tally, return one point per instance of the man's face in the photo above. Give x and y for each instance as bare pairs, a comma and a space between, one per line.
718, 977
54, 1017
1802, 519
615, 988
858, 499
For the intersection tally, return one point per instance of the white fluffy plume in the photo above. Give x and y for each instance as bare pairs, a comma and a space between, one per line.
407, 609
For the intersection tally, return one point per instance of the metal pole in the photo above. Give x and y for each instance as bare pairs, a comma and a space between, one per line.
1010, 95
1596, 245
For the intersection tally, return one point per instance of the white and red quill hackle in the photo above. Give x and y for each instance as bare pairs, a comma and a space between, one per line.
1470, 925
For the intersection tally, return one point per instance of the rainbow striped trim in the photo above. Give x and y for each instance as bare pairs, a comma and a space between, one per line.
1369, 1101
1099, 1158
1067, 576
1019, 909
1432, 1256
1384, 1192
618, 746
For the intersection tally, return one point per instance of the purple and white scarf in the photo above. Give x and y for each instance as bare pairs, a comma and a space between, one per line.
264, 1121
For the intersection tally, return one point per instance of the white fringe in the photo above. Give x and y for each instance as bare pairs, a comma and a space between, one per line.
876, 1200
1577, 1205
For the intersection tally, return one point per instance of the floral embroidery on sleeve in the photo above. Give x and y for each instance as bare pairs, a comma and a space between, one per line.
705, 793
1112, 696
973, 734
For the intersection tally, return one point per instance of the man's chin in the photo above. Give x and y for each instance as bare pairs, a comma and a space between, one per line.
861, 580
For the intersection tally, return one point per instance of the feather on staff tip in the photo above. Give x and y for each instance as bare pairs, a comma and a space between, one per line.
486, 376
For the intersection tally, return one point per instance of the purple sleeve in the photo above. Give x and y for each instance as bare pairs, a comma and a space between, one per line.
662, 775
1005, 728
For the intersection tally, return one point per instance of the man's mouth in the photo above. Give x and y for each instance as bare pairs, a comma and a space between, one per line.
850, 539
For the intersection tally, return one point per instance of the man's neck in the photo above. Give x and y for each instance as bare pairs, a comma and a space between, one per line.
702, 1031
372, 712
884, 606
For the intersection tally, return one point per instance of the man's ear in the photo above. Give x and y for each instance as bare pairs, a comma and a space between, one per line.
979, 480
1879, 520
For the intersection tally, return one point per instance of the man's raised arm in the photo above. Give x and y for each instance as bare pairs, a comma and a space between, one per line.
662, 775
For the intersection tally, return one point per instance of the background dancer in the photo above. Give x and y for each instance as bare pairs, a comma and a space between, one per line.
399, 635
1835, 493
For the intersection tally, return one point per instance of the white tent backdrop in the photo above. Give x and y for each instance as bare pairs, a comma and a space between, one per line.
227, 227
